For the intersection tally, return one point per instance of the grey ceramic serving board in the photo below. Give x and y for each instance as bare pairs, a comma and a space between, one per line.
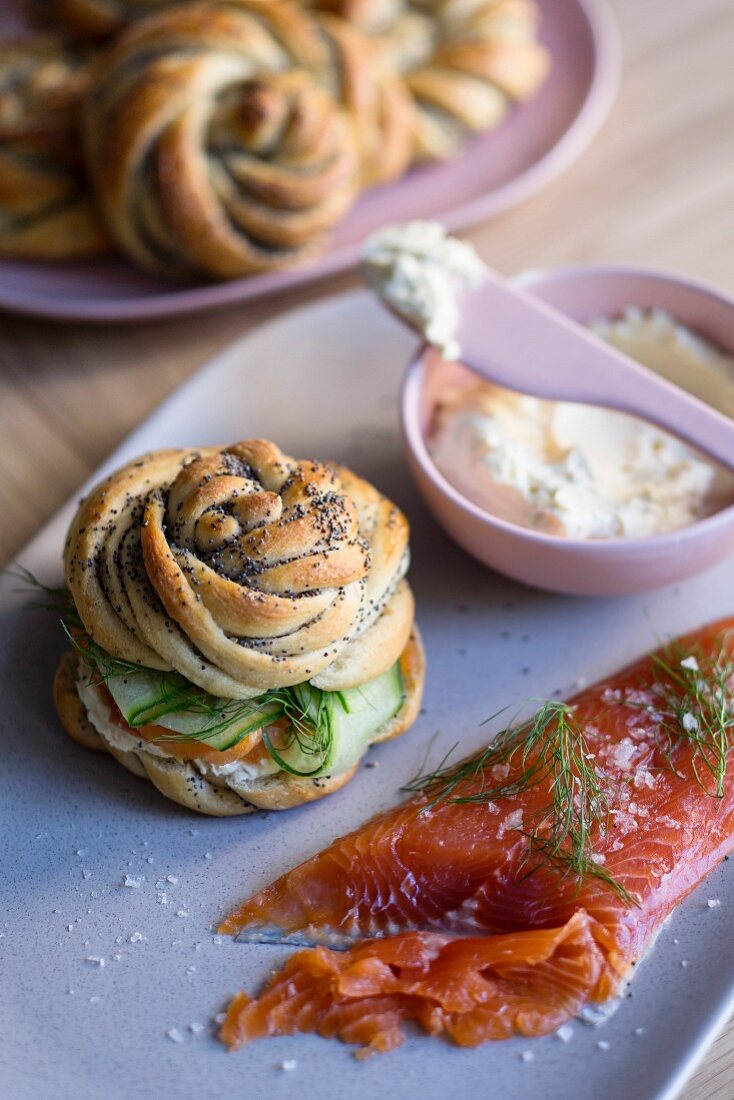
323, 383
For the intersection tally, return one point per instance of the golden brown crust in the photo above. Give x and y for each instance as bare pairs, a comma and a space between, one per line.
46, 212
226, 137
69, 707
413, 671
464, 62
242, 568
183, 783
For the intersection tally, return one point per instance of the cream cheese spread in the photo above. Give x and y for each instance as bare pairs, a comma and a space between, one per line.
586, 472
421, 274
230, 774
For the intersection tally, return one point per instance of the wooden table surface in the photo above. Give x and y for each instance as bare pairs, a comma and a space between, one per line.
655, 189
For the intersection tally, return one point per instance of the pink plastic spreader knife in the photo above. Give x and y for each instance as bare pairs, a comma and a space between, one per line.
439, 287
511, 338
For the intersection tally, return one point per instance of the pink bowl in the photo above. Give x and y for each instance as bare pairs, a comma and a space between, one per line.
609, 567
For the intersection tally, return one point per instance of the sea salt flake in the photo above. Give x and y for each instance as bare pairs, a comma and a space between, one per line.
136, 937
603, 1044
512, 821
133, 881
196, 1029
622, 754
220, 1017
190, 969
565, 1033
288, 1064
527, 1056
181, 913
208, 855
86, 874
174, 1034
172, 879
95, 960
713, 903
689, 722
639, 1031
162, 898
94, 1000
684, 962
691, 663
643, 777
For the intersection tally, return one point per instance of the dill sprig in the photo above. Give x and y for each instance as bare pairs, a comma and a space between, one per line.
102, 663
551, 749
43, 597
693, 704
308, 715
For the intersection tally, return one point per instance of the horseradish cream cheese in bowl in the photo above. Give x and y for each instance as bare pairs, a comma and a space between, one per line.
586, 472
576, 498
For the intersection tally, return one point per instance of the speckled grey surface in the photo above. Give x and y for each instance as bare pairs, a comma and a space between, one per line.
74, 824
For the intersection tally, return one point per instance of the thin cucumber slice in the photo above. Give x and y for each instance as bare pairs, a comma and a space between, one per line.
168, 700
331, 729
145, 696
348, 722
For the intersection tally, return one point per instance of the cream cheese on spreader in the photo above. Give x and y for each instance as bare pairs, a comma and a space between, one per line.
421, 274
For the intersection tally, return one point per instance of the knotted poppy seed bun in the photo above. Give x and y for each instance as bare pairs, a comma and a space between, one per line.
243, 569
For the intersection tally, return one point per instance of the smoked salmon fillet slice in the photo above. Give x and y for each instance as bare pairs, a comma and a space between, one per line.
520, 885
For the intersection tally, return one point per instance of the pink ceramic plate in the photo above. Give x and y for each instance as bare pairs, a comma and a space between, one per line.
535, 144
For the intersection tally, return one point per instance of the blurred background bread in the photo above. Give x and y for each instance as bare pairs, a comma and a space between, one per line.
46, 211
226, 137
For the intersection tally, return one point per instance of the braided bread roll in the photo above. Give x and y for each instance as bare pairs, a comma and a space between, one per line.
225, 137
242, 569
45, 208
464, 61
245, 570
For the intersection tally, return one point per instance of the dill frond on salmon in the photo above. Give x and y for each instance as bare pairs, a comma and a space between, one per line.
518, 886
